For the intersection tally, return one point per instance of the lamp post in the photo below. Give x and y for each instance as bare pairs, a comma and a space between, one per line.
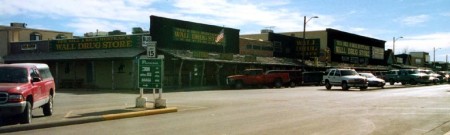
393, 44
434, 57
304, 40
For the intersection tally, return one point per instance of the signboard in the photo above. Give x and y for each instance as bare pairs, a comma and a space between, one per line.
185, 35
150, 73
110, 42
377, 53
309, 47
351, 49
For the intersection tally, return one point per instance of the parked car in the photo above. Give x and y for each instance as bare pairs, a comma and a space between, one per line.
24, 87
345, 78
258, 77
295, 77
434, 77
445, 76
373, 80
313, 77
379, 74
407, 76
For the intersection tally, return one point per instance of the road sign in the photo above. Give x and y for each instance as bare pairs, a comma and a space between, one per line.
151, 51
151, 72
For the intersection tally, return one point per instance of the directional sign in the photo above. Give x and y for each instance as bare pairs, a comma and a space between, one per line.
150, 73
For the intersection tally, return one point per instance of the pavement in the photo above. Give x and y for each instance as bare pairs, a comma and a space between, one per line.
90, 115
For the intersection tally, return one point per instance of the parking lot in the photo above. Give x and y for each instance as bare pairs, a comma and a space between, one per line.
398, 109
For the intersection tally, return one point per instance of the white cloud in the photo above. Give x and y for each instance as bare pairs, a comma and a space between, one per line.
422, 42
414, 20
238, 13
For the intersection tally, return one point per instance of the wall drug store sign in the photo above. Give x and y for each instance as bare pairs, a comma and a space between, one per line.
351, 49
111, 42
194, 36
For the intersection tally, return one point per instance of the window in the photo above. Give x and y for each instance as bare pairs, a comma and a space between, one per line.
60, 36
277, 47
35, 36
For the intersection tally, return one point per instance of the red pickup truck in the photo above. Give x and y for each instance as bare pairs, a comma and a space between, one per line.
24, 87
258, 77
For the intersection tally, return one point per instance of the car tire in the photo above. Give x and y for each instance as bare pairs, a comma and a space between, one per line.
238, 85
363, 88
48, 108
413, 82
391, 81
292, 84
278, 83
345, 86
328, 85
25, 117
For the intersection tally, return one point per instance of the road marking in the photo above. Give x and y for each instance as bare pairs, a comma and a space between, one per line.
189, 107
68, 114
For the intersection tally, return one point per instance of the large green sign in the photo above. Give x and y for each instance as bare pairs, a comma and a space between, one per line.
351, 49
308, 47
150, 73
110, 42
185, 35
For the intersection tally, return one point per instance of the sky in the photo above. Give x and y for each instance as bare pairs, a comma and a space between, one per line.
423, 24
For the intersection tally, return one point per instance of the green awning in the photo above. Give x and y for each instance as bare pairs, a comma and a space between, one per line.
76, 55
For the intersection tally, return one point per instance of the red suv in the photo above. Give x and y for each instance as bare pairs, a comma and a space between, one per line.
24, 87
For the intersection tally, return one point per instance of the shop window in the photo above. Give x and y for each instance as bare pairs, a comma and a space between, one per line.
60, 36
121, 68
35, 36
277, 47
67, 68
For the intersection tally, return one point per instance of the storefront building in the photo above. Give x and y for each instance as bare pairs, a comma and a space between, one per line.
97, 63
331, 48
18, 32
204, 55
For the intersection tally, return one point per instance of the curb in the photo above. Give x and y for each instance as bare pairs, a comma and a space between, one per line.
87, 120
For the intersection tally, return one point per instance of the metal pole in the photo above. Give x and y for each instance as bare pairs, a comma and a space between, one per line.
434, 58
303, 48
393, 46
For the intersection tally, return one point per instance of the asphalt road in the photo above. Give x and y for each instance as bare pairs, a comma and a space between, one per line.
300, 110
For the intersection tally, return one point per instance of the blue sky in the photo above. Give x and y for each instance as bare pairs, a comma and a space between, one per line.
424, 24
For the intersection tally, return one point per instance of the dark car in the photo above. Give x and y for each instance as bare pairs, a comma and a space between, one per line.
445, 76
373, 80
313, 77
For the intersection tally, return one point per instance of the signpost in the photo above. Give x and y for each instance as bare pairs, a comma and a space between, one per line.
150, 74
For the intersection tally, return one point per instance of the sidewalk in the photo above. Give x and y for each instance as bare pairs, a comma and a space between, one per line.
71, 113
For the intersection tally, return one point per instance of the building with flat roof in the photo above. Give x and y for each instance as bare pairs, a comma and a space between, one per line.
18, 32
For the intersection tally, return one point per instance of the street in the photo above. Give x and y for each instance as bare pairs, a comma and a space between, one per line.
301, 110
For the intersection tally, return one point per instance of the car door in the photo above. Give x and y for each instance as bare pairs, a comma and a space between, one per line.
38, 92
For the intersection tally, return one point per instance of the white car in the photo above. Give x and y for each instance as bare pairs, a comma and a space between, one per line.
373, 80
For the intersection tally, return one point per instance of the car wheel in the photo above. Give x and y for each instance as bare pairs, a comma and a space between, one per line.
413, 82
25, 117
345, 86
327, 85
363, 88
238, 85
278, 83
292, 84
48, 108
391, 81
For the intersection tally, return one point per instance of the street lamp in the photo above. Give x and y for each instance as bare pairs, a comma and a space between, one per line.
393, 44
434, 57
304, 40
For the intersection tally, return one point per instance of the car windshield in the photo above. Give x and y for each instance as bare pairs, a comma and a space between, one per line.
13, 75
348, 72
368, 75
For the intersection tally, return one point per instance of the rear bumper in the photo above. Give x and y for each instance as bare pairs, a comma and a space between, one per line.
10, 109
